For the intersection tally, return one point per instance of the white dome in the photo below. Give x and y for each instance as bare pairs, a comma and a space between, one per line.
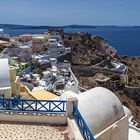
68, 94
99, 107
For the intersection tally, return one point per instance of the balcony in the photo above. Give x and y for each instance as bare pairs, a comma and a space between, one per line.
42, 119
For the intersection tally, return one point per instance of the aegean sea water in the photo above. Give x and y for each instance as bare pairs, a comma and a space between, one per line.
125, 39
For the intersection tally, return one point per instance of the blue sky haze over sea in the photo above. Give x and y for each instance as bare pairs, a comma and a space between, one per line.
65, 12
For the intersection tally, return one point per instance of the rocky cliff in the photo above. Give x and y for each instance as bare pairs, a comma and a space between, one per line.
88, 52
87, 49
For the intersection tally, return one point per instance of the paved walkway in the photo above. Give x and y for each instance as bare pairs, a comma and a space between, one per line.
31, 131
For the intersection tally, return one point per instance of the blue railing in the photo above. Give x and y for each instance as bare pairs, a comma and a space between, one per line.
84, 129
32, 105
46, 106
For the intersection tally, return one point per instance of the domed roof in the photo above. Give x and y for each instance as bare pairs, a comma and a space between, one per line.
99, 107
68, 94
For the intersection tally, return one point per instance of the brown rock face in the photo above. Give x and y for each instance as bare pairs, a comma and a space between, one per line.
86, 49
90, 50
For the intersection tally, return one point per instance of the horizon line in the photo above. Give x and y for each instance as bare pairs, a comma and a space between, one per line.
67, 25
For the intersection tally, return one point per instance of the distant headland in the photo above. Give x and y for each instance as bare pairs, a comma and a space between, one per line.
14, 26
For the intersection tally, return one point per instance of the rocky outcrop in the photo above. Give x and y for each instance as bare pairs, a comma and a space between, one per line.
91, 50
86, 49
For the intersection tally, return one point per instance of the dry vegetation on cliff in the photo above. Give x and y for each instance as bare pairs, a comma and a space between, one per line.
87, 49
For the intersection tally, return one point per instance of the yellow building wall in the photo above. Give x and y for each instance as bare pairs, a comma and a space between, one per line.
12, 74
6, 91
15, 82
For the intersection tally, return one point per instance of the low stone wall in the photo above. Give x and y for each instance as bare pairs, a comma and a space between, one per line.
73, 129
91, 71
33, 117
133, 92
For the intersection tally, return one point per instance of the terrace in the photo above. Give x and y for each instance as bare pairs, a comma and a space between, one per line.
32, 131
42, 119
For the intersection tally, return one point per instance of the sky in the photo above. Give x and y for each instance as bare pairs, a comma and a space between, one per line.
66, 12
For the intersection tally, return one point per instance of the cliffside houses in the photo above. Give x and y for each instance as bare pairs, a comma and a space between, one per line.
57, 48
54, 75
119, 67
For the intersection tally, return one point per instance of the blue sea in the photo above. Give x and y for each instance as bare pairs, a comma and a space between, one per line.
125, 39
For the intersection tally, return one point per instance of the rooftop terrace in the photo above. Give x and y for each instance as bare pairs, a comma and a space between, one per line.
32, 131
41, 119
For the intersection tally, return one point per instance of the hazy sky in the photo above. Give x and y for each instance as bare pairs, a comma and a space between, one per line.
64, 12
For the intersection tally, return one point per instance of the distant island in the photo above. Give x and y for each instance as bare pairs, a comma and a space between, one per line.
14, 26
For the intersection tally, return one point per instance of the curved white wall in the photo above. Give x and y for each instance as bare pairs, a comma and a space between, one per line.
99, 107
